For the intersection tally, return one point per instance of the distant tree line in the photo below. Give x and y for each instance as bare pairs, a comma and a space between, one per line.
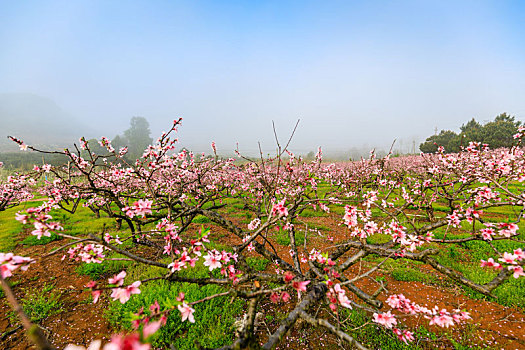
496, 133
26, 160
136, 138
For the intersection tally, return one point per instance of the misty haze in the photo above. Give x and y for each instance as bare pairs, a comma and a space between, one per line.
357, 76
262, 174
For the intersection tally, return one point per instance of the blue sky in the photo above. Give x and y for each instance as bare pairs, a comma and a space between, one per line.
357, 73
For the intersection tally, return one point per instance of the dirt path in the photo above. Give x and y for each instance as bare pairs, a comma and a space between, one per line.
492, 326
78, 320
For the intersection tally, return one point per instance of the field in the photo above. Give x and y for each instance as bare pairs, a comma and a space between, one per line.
402, 253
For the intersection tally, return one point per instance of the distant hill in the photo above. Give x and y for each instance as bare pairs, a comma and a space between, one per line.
37, 121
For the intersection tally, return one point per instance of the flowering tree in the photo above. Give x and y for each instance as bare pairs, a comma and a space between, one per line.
15, 189
158, 196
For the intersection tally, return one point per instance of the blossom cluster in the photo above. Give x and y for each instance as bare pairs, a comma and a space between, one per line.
40, 218
10, 262
511, 259
142, 207
88, 253
178, 186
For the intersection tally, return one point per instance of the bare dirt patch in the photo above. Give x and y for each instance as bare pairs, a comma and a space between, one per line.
78, 321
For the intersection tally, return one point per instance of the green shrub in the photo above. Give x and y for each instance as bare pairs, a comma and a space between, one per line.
201, 219
40, 303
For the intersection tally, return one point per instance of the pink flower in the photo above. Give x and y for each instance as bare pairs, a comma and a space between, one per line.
141, 207
279, 209
285, 296
212, 261
518, 271
274, 297
288, 276
490, 263
22, 218
341, 296
386, 319
11, 262
508, 258
122, 151
96, 295
508, 230
155, 307
176, 265
40, 230
461, 315
151, 328
123, 294
5, 270
126, 342
520, 254
300, 286
487, 233
442, 320
254, 224
404, 336
95, 345
453, 219
118, 279
186, 312
91, 284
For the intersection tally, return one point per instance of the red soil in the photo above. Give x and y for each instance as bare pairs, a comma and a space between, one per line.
81, 321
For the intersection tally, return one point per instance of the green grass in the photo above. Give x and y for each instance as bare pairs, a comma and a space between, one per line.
374, 336
405, 270
33, 240
201, 219
105, 269
40, 303
214, 318
378, 238
82, 222
245, 215
465, 258
10, 229
258, 264
12, 284
283, 238
410, 274
309, 213
320, 227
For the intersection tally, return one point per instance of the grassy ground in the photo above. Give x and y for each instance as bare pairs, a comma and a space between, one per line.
9, 229
214, 326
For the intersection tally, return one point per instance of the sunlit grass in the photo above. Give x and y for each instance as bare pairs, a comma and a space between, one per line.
10, 229
214, 319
